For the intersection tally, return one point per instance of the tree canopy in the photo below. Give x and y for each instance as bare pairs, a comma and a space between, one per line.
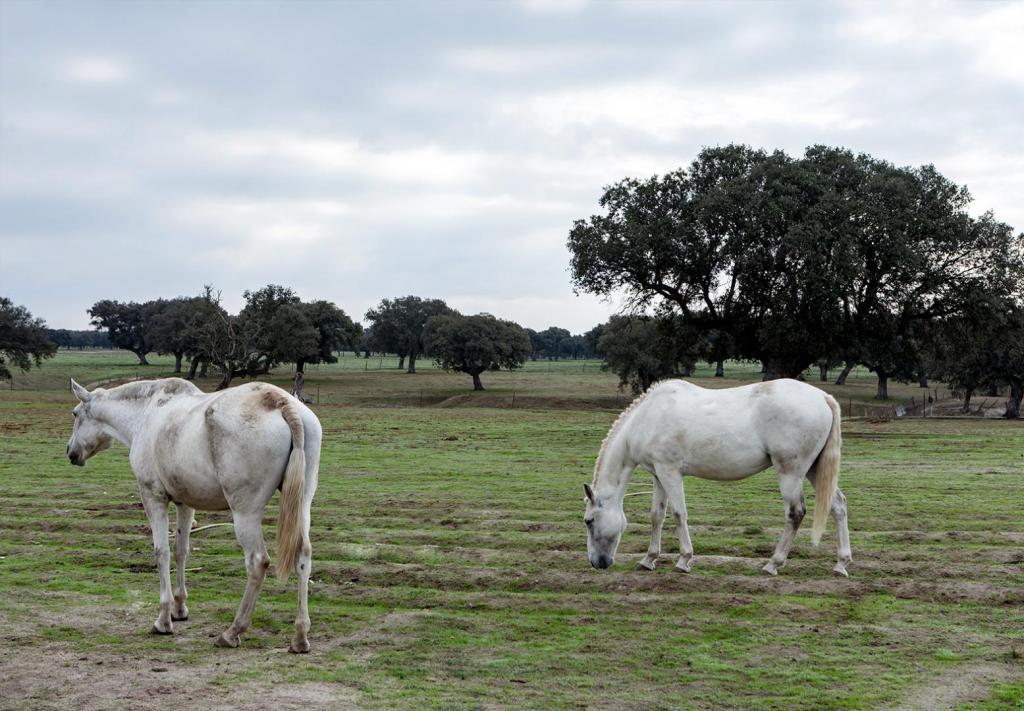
23, 338
474, 344
398, 325
789, 261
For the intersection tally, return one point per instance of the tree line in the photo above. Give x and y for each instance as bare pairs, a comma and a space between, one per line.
275, 327
832, 259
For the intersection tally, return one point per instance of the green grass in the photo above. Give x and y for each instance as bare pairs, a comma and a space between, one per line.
450, 567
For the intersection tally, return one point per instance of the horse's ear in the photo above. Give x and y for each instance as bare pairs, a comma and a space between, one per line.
80, 392
590, 493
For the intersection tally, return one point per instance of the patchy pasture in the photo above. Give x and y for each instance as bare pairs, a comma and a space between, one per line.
450, 568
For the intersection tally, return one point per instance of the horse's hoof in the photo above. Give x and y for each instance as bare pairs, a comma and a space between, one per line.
840, 571
226, 643
156, 630
179, 617
299, 647
770, 569
647, 564
683, 566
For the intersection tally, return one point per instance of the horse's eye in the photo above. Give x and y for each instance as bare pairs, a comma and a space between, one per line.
74, 414
588, 521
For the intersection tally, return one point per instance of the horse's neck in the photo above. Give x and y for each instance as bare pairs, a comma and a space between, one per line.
615, 467
122, 417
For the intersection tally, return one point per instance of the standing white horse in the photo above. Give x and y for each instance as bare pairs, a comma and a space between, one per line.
677, 428
226, 450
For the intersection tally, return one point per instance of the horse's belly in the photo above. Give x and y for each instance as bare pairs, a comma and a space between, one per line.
724, 459
199, 492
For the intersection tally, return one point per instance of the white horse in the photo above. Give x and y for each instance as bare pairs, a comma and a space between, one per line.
677, 428
226, 450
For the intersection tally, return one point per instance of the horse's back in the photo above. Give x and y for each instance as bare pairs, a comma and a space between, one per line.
730, 433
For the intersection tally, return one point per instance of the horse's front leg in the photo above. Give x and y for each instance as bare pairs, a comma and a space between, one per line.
156, 512
181, 536
657, 520
672, 481
249, 532
792, 488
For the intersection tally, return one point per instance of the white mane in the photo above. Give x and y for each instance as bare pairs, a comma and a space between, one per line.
618, 422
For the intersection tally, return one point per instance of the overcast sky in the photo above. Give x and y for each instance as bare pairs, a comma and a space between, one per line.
354, 151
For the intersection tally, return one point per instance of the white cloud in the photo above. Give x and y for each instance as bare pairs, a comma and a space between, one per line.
96, 69
554, 7
523, 59
425, 164
664, 111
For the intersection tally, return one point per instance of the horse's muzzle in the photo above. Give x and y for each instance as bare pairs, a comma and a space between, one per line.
602, 562
75, 459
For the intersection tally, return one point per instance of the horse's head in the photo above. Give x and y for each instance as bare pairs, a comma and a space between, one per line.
605, 523
89, 435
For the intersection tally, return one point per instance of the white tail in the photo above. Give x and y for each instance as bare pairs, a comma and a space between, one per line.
826, 472
290, 531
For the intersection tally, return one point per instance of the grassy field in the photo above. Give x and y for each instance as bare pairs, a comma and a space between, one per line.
450, 567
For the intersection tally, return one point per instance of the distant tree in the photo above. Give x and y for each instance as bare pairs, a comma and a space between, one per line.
474, 344
591, 338
642, 349
334, 331
981, 348
230, 343
60, 337
170, 330
398, 325
23, 338
551, 343
575, 347
128, 325
274, 316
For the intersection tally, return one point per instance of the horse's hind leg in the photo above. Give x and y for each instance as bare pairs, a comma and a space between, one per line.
792, 488
181, 535
300, 642
249, 532
839, 514
156, 512
657, 520
839, 508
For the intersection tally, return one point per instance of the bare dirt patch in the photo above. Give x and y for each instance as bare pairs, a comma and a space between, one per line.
960, 685
54, 677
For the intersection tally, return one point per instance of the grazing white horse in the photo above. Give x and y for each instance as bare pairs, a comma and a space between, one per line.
226, 450
677, 428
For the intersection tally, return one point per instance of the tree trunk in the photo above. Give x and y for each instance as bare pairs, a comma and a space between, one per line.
1013, 404
226, 375
720, 368
841, 380
967, 400
177, 361
192, 368
883, 385
202, 371
477, 385
823, 370
923, 381
142, 357
300, 366
401, 360
412, 364
993, 390
299, 382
